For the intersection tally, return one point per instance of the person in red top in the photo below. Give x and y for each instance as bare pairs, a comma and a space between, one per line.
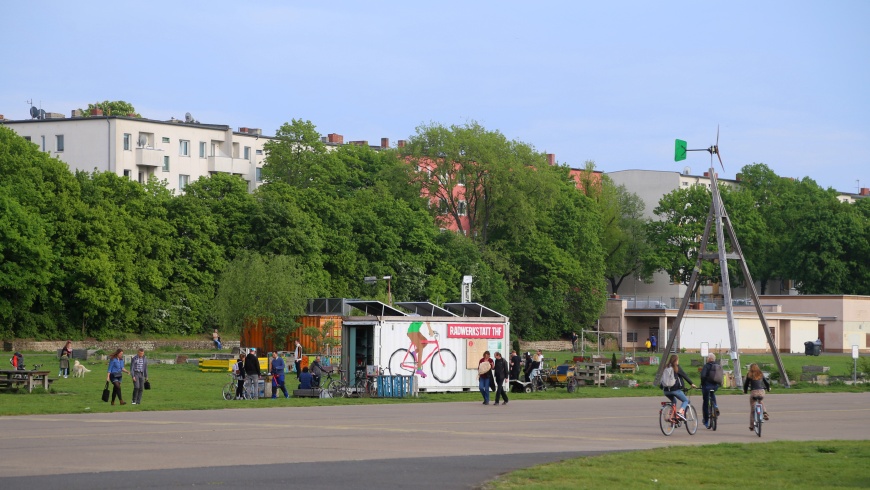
484, 374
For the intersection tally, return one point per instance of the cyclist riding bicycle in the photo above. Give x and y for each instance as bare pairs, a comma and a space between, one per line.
676, 390
756, 385
708, 387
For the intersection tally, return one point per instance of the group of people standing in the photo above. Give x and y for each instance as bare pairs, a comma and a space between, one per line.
138, 372
247, 370
755, 384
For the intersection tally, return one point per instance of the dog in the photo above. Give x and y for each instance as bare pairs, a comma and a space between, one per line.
79, 370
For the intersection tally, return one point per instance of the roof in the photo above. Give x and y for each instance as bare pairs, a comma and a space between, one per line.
471, 310
374, 308
424, 308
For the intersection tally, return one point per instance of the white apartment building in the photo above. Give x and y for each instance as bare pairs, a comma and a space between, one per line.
175, 151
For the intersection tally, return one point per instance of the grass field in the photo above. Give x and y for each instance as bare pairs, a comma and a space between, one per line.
772, 465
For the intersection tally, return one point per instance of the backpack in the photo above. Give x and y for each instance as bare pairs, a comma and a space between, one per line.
668, 379
483, 368
717, 374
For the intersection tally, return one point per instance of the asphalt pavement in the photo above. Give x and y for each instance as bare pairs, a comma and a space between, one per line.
426, 445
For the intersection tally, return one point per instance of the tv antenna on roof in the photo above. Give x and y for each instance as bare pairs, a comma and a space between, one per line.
718, 217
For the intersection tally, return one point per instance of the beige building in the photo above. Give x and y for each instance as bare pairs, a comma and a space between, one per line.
844, 320
175, 151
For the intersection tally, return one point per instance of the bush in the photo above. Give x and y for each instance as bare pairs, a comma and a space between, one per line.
613, 365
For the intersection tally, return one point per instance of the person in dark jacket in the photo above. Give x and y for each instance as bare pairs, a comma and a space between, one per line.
501, 373
139, 374
305, 379
709, 387
252, 373
239, 371
756, 385
527, 368
516, 365
676, 391
277, 371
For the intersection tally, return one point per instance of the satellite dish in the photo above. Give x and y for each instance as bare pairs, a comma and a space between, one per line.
687, 170
188, 117
34, 112
143, 140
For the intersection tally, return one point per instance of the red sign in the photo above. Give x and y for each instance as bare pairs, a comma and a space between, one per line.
475, 331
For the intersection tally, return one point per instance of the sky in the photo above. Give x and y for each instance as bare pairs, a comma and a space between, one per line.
785, 83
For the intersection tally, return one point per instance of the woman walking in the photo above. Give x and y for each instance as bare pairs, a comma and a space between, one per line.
484, 368
116, 370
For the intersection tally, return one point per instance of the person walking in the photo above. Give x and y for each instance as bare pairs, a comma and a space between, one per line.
115, 373
483, 375
652, 341
501, 374
756, 385
516, 365
297, 359
239, 372
252, 373
709, 387
277, 370
139, 373
65, 357
676, 390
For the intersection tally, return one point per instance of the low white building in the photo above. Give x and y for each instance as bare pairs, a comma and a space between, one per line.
175, 151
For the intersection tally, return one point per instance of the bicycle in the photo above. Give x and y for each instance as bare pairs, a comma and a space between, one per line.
337, 388
759, 414
229, 390
444, 370
712, 411
669, 421
366, 386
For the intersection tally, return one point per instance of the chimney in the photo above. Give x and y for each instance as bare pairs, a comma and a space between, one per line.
335, 138
76, 113
865, 191
402, 143
385, 142
706, 174
551, 158
243, 130
738, 177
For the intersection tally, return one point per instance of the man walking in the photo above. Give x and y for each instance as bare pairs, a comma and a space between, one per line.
501, 373
252, 373
277, 370
652, 341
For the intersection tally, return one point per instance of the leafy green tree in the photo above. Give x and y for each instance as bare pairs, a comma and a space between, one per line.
268, 287
111, 108
298, 157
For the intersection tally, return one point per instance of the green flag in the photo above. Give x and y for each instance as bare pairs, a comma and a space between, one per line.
679, 150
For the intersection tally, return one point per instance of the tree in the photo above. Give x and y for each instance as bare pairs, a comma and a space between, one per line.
112, 108
297, 156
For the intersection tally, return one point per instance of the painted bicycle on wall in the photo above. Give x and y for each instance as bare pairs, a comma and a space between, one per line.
442, 362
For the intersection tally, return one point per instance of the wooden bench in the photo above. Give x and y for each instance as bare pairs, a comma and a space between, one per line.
312, 393
627, 367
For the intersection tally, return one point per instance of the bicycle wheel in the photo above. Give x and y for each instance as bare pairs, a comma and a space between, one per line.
229, 391
443, 365
665, 422
361, 389
759, 418
691, 420
711, 417
401, 363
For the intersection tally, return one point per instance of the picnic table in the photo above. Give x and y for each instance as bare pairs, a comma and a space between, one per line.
13, 378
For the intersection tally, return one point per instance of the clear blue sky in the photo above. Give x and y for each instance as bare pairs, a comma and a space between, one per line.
613, 82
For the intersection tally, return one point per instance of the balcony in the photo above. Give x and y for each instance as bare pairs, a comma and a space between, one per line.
149, 157
228, 165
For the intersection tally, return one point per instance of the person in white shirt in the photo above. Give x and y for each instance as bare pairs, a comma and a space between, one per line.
297, 359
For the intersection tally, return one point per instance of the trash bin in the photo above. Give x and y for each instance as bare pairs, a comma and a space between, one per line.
812, 349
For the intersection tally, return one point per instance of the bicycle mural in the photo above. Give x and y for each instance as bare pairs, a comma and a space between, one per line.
432, 346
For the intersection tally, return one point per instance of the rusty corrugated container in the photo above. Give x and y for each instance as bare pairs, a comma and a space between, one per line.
257, 334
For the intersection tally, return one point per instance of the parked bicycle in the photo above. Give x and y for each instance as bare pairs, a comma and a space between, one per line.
669, 421
366, 386
336, 387
229, 390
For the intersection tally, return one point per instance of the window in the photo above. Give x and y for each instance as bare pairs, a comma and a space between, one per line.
202, 149
127, 138
165, 139
127, 173
259, 152
27, 138
183, 180
59, 142
166, 163
259, 174
247, 153
184, 148
632, 336
442, 205
461, 208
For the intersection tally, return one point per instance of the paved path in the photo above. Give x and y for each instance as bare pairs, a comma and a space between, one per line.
443, 445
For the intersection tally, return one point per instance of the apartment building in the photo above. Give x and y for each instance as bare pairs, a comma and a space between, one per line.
175, 151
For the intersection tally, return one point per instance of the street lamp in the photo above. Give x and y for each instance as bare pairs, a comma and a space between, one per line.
371, 280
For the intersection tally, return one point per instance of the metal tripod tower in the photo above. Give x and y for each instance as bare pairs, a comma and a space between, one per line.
719, 217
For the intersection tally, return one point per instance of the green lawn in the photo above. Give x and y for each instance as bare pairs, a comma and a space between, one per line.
772, 465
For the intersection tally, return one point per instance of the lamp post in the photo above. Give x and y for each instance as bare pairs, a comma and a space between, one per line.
371, 280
